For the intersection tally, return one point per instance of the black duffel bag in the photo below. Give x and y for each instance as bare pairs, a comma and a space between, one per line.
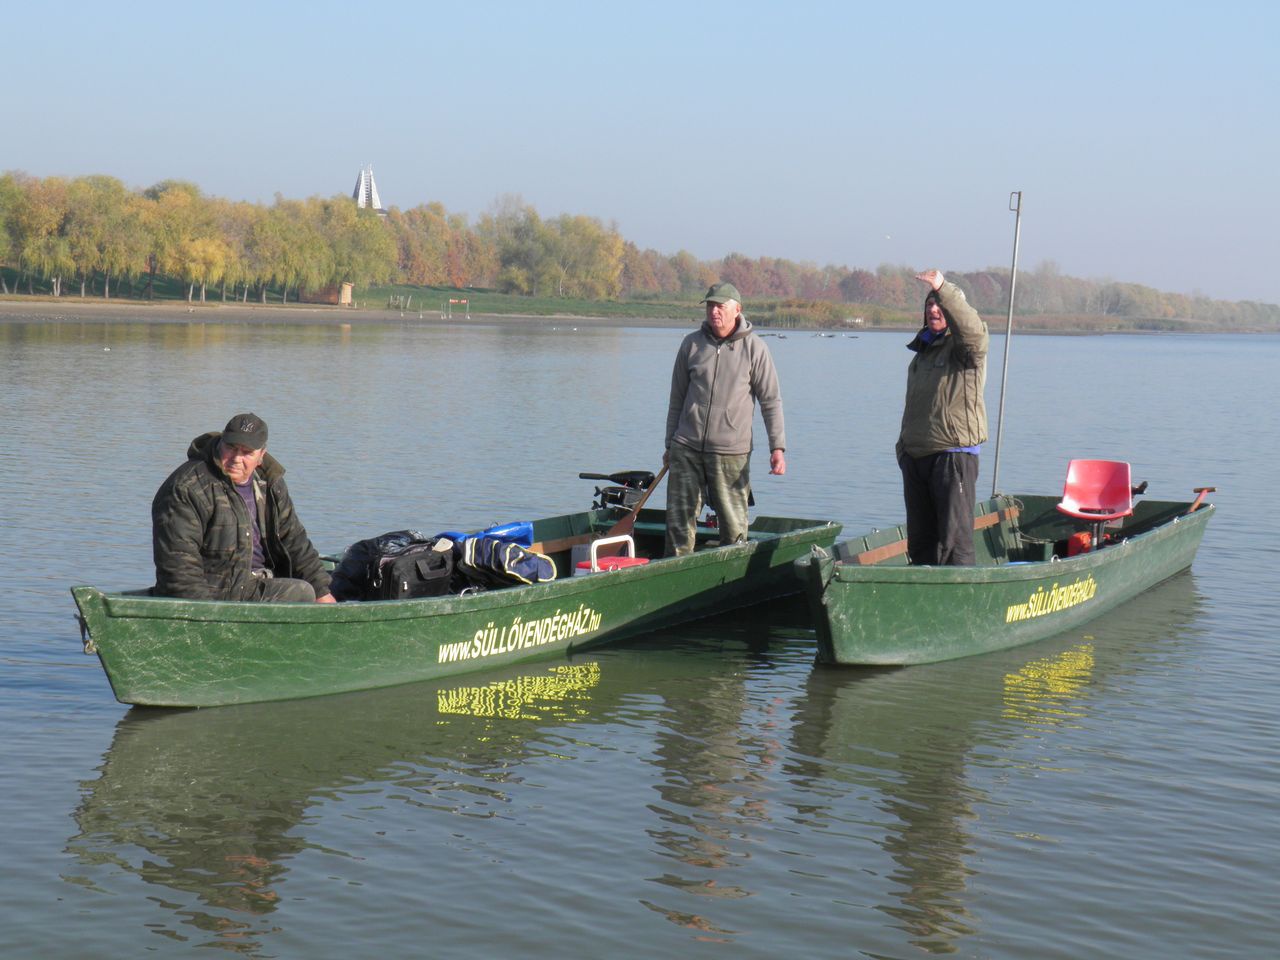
359, 574
420, 571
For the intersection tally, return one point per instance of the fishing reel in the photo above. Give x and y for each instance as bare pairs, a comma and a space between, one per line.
627, 487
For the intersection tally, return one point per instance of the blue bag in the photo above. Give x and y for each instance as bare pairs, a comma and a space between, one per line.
519, 531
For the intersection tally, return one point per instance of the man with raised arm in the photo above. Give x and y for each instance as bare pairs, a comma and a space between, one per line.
944, 424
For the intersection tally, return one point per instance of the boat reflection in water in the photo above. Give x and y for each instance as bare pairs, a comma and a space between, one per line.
208, 803
915, 749
713, 776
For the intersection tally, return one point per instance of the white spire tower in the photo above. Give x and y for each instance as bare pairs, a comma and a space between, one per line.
366, 192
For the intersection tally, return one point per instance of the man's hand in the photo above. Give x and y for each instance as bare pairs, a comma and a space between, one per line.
933, 278
777, 462
327, 598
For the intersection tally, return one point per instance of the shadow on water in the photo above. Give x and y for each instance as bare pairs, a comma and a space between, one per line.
914, 739
209, 808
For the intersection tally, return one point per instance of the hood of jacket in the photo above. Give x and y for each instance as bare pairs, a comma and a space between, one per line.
739, 332
922, 340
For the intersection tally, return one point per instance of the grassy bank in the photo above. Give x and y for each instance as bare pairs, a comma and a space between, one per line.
433, 303
404, 297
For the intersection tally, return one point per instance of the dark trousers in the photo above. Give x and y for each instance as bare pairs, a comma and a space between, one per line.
940, 491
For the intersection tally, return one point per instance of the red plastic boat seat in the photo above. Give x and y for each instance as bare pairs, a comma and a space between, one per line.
1097, 490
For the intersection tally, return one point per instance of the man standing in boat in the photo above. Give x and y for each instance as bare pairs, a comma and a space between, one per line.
722, 371
944, 425
223, 525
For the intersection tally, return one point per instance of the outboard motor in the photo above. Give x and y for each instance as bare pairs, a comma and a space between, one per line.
625, 490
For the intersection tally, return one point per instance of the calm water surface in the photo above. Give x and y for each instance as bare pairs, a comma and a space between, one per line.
700, 792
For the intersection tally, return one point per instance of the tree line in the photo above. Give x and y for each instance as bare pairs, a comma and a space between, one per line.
94, 236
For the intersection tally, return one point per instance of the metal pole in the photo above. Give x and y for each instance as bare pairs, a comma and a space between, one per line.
1015, 204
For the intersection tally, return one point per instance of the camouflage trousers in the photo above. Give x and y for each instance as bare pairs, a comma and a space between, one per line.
272, 589
726, 481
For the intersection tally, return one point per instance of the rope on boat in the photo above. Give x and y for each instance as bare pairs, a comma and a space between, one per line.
90, 647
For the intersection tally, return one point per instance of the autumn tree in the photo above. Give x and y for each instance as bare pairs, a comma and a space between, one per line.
106, 231
693, 275
289, 247
421, 237
40, 225
235, 223
470, 260
525, 246
187, 241
587, 257
313, 261
898, 287
639, 274
169, 217
860, 286
10, 195
362, 249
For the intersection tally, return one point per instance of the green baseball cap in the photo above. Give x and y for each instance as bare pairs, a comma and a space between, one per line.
720, 292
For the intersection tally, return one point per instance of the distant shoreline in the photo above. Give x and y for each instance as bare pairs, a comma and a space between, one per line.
15, 309
18, 308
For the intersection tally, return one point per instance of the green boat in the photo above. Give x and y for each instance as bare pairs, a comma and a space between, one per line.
160, 651
871, 608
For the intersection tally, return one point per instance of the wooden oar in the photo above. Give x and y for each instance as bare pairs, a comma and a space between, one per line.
1200, 492
624, 526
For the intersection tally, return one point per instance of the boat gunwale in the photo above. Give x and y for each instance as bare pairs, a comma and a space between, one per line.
851, 571
848, 572
126, 604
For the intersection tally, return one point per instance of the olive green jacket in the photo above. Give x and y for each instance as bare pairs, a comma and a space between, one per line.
200, 533
944, 407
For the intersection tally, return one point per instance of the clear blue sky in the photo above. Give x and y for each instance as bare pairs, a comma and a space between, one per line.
1145, 136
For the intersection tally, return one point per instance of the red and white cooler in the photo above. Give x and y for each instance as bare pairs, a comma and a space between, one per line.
611, 564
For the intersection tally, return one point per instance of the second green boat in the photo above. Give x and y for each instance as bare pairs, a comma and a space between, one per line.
871, 608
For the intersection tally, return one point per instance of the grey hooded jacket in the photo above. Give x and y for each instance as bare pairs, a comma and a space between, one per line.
715, 385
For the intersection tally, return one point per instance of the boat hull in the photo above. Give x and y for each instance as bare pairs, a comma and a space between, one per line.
891, 614
187, 653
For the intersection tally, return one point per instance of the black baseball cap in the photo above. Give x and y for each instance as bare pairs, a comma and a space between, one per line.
246, 430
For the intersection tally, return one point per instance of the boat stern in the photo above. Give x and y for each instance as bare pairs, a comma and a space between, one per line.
814, 571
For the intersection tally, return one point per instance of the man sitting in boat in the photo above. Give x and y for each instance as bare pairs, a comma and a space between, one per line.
721, 371
944, 423
223, 525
